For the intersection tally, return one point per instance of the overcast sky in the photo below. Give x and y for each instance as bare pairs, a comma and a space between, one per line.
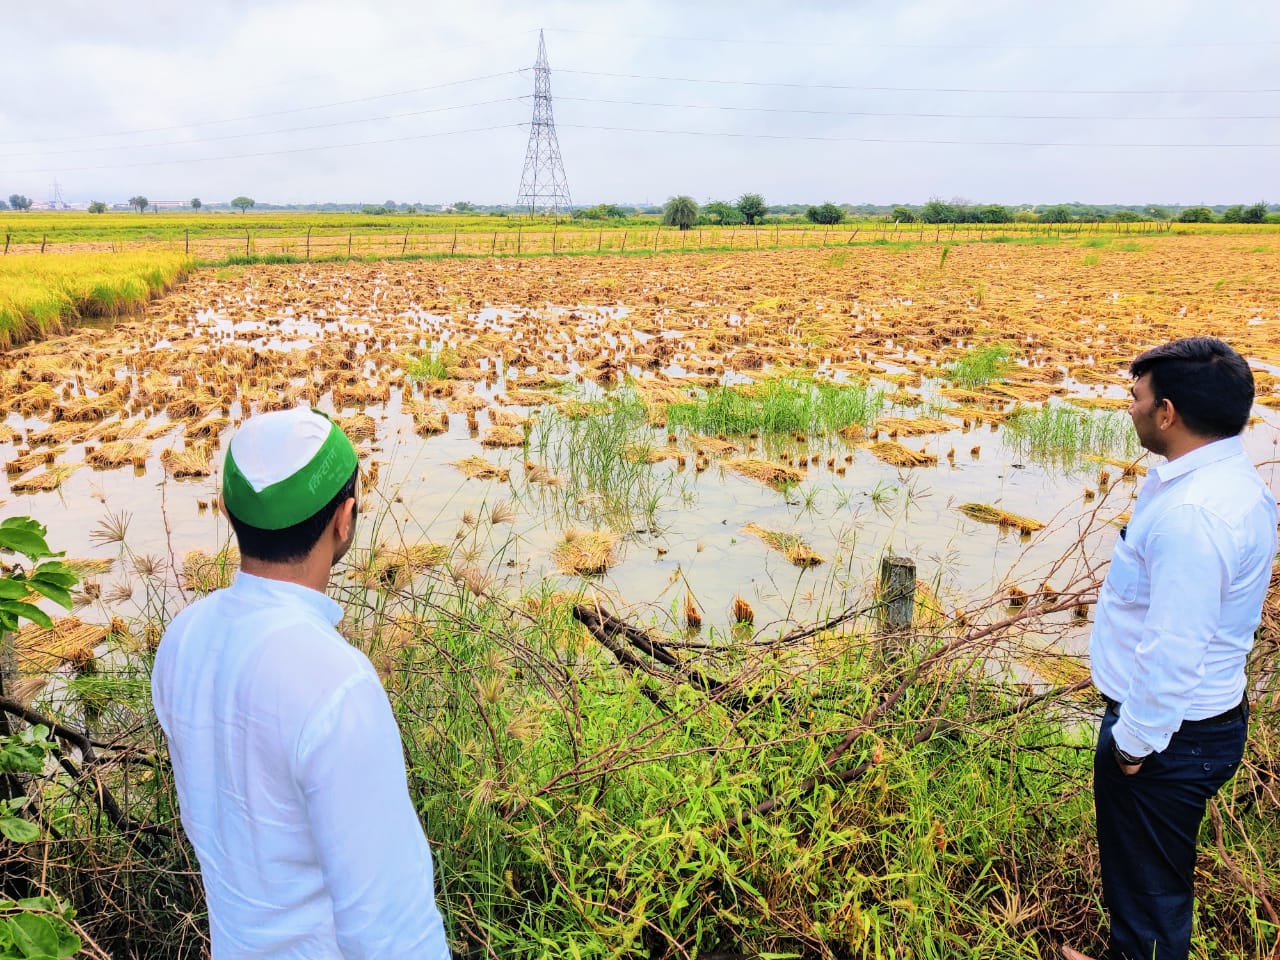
1004, 101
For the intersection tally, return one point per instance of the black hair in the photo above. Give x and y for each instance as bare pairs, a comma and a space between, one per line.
292, 543
1208, 383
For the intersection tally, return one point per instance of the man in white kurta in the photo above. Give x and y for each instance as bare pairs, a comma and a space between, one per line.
288, 762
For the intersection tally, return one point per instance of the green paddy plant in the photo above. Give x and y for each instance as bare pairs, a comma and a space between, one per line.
981, 365
433, 366
606, 460
1064, 434
788, 405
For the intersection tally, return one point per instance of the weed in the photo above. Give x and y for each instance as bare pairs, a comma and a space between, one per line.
434, 366
779, 406
1063, 434
1090, 260
980, 366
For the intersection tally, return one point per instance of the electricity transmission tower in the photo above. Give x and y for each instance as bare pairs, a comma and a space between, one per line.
543, 183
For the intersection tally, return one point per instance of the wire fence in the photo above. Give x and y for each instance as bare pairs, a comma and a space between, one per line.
570, 239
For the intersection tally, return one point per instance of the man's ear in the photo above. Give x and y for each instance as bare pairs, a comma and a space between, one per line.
344, 518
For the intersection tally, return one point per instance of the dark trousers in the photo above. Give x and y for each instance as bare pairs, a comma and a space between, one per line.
1147, 829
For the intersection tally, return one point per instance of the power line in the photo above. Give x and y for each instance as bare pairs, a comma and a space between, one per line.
882, 89
268, 133
921, 140
271, 113
874, 113
275, 153
881, 44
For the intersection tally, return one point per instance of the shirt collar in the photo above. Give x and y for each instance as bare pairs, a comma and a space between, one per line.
283, 591
1213, 452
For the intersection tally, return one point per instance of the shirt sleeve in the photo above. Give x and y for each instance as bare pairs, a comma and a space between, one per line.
375, 858
1189, 568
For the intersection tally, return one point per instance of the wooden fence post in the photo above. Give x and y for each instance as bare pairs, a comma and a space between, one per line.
657, 233
493, 244
188, 242
519, 236
405, 246
43, 238
7, 237
897, 599
624, 242
348, 246
555, 228
600, 240
246, 243
308, 243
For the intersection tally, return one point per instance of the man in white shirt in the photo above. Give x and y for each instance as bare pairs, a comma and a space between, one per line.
288, 763
1175, 621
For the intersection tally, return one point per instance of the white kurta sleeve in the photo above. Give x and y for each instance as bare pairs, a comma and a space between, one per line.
375, 858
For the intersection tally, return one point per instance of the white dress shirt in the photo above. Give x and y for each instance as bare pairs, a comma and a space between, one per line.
291, 781
1183, 597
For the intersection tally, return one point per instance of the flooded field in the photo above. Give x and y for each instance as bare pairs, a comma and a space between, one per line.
705, 438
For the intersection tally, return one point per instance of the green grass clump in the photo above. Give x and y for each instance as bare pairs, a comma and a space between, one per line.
600, 451
789, 405
434, 366
1063, 434
981, 365
39, 294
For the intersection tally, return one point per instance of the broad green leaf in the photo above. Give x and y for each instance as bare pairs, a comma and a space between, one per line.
13, 589
57, 594
55, 571
19, 609
34, 935
24, 542
19, 830
24, 523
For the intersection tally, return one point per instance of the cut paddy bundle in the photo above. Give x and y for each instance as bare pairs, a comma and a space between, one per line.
91, 566
985, 513
209, 428
899, 456
428, 419
1128, 468
117, 453
121, 430
1099, 403
204, 572
395, 567
507, 418
712, 446
503, 437
40, 650
50, 479
89, 410
478, 468
360, 394
776, 475
912, 426
358, 427
586, 553
790, 545
526, 398
59, 433
192, 407
33, 459
193, 461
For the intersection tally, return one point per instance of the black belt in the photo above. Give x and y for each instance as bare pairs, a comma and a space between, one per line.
1239, 711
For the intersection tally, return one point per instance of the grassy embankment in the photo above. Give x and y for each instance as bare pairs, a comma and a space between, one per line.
41, 294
